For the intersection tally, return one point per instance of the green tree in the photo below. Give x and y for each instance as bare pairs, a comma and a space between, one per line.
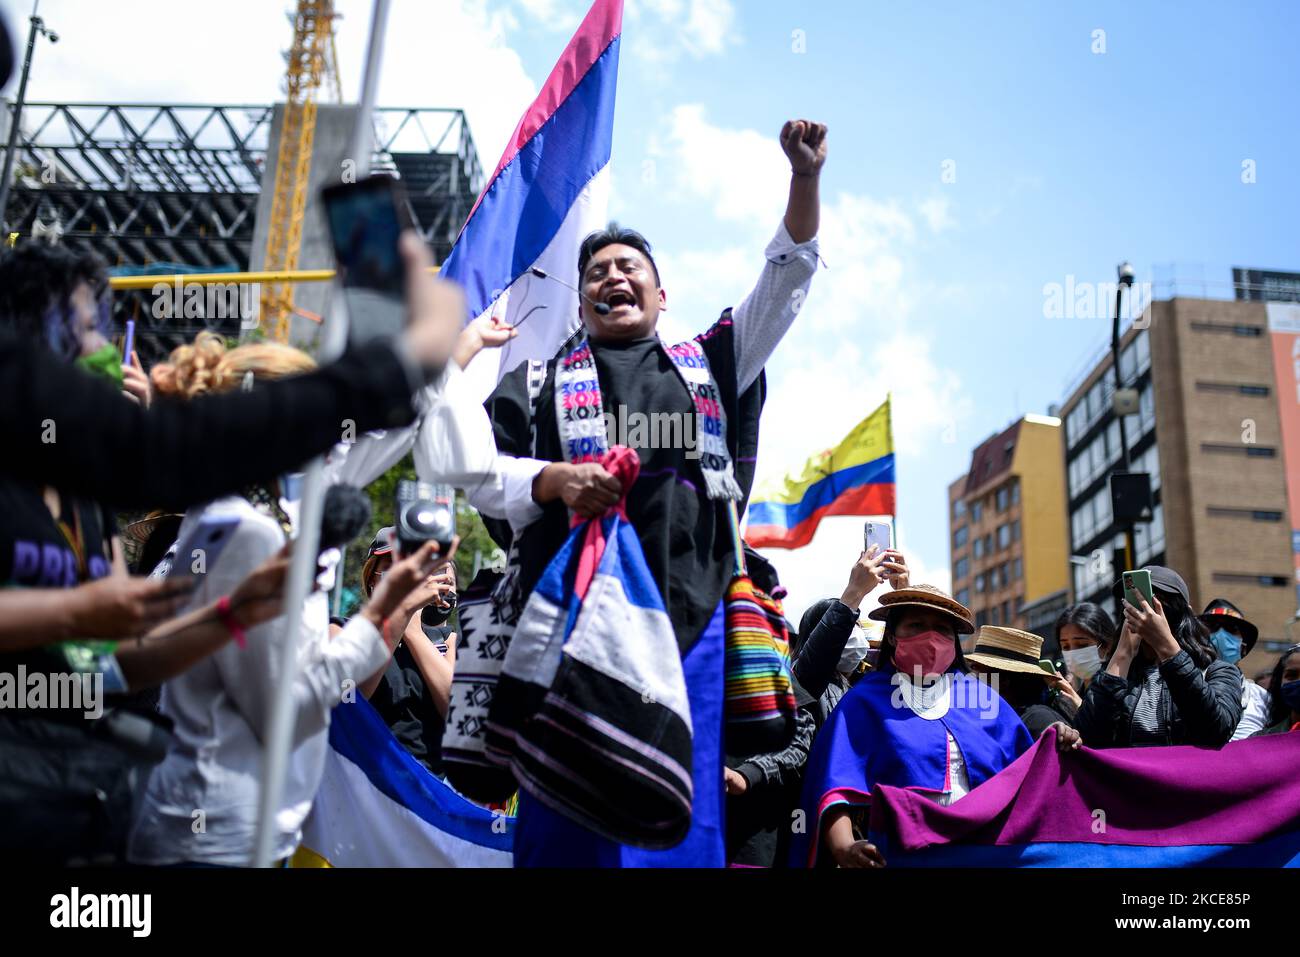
476, 545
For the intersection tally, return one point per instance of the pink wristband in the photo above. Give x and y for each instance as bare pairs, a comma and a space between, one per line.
227, 618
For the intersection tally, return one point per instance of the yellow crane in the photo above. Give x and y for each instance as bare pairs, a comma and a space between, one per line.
312, 61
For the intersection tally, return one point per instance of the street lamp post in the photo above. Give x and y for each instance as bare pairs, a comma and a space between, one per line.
38, 26
1125, 280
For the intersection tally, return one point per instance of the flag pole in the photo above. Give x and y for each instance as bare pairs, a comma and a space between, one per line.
302, 568
889, 431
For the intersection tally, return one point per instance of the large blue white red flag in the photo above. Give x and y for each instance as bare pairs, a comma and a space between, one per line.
550, 189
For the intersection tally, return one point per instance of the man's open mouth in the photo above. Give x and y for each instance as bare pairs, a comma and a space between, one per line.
619, 298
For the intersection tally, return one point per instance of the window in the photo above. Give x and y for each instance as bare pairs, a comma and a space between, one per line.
1015, 530
1004, 536
978, 548
960, 536
1149, 537
1003, 498
1138, 425
958, 508
1143, 346
1240, 578
1076, 423
976, 512
1252, 451
995, 580
1128, 363
1255, 514
994, 617
1231, 387
1006, 613
963, 597
979, 583
1015, 492
961, 569
1226, 328
1017, 570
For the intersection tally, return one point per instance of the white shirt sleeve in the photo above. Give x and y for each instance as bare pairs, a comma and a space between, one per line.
765, 315
455, 445
250, 676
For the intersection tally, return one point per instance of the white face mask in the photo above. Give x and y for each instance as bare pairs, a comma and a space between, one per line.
1083, 662
855, 649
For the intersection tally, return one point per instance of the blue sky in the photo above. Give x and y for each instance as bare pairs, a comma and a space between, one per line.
1066, 162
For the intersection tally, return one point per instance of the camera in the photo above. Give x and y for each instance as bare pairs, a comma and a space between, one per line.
425, 512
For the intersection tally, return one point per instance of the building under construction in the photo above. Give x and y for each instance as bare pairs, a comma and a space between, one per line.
173, 189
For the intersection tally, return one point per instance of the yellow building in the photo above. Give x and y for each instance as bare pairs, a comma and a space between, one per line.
1008, 523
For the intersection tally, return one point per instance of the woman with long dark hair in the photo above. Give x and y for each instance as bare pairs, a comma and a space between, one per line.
1086, 636
919, 721
1284, 688
1164, 683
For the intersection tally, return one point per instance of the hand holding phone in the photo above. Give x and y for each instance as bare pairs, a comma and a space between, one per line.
1138, 583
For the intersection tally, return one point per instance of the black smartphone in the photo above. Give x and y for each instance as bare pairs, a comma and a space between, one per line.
366, 219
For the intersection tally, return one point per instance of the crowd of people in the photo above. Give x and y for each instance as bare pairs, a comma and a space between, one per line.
189, 652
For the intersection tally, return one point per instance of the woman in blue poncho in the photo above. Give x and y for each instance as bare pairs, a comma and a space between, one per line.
920, 721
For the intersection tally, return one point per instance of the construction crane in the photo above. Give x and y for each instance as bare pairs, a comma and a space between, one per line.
312, 61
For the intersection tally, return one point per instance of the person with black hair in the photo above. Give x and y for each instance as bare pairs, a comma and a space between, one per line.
411, 691
1011, 658
61, 427
1164, 683
1284, 713
829, 649
919, 721
553, 420
1085, 634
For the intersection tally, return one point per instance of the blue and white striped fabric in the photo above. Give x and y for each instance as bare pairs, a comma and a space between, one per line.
379, 807
591, 712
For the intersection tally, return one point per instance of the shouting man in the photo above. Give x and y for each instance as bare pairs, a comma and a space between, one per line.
678, 503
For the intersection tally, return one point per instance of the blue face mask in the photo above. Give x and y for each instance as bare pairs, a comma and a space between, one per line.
1290, 694
1227, 645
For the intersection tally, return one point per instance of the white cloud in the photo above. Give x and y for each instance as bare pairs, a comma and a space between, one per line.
741, 173
937, 213
856, 340
555, 15
451, 54
698, 28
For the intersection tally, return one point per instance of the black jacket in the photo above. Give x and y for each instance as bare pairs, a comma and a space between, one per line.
758, 821
818, 659
60, 426
1195, 708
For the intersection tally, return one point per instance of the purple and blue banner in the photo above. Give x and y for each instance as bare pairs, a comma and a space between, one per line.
1238, 806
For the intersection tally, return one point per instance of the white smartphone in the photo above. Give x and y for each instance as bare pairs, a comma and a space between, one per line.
198, 554
878, 533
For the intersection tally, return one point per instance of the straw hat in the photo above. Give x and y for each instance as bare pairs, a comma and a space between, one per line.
928, 597
1008, 649
140, 530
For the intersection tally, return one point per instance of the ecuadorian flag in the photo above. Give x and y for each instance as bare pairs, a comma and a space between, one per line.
854, 478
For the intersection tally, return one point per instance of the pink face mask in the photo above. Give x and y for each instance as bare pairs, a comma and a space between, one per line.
930, 652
